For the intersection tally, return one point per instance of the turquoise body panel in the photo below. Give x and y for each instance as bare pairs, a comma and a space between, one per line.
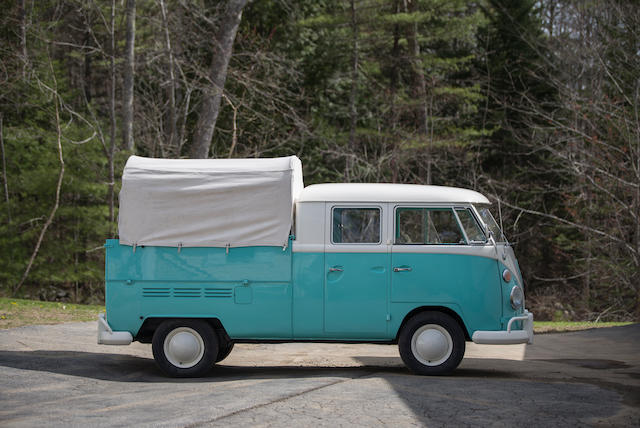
248, 289
308, 295
267, 293
356, 295
469, 285
507, 311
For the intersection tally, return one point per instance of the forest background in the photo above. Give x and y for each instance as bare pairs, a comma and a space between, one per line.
533, 103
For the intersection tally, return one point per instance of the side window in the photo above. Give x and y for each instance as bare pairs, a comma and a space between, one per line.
470, 225
356, 226
427, 226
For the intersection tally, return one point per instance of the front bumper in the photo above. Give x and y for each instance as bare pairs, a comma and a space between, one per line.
106, 336
508, 337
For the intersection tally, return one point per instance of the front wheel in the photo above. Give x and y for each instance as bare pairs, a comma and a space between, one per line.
185, 348
431, 343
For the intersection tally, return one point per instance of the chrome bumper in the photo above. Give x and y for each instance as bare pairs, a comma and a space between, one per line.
508, 337
106, 336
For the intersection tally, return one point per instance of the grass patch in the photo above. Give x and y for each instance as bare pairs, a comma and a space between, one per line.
563, 326
19, 312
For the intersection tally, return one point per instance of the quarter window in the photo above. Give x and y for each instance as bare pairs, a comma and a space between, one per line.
415, 226
356, 226
488, 219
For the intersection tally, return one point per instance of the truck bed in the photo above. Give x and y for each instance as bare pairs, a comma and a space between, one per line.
250, 288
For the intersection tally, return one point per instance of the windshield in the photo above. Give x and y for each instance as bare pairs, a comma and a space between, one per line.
487, 218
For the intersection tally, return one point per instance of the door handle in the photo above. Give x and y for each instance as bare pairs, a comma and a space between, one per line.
402, 269
335, 269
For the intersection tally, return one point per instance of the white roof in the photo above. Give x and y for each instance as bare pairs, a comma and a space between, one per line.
208, 202
387, 192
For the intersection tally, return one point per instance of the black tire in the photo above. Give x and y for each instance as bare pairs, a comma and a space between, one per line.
431, 343
224, 351
185, 348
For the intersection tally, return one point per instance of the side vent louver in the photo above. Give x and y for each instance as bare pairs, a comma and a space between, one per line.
156, 292
187, 292
218, 292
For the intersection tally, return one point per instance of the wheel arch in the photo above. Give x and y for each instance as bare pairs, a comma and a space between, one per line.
150, 325
442, 309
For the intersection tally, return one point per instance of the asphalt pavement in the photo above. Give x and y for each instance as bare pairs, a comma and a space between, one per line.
58, 376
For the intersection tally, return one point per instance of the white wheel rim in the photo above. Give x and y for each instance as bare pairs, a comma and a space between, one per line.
183, 347
431, 345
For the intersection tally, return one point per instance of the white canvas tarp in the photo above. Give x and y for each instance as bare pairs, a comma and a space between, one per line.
208, 202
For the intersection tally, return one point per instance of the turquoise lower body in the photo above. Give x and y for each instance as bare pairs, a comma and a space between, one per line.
267, 293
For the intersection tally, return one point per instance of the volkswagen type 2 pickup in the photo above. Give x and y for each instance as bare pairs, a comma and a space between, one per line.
216, 252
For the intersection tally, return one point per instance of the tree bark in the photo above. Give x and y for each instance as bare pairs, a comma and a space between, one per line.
86, 81
393, 86
172, 142
222, 49
353, 112
128, 77
420, 83
185, 113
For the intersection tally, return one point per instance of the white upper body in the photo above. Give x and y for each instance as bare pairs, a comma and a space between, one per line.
387, 192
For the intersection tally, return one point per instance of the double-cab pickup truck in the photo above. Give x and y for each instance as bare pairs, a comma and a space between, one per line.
217, 252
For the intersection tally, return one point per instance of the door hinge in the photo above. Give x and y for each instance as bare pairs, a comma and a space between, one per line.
388, 317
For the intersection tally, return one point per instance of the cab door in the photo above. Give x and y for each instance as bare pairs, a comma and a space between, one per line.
439, 258
356, 272
425, 263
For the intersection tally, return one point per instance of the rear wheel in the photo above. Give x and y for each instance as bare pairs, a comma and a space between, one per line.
185, 348
431, 343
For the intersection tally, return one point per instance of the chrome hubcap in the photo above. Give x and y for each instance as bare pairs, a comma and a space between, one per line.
184, 347
431, 344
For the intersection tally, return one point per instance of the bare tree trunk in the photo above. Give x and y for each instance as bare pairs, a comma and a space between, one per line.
173, 118
222, 49
395, 78
112, 114
86, 81
4, 170
185, 113
22, 15
353, 112
129, 65
58, 186
420, 82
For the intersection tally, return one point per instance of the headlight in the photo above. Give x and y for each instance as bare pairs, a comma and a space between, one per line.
517, 297
506, 275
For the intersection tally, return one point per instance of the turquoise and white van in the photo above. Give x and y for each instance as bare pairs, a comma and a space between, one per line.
217, 252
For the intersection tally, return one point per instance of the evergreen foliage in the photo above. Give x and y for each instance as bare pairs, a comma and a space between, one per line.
534, 103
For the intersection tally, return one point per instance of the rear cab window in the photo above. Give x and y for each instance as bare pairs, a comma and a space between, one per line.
356, 225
